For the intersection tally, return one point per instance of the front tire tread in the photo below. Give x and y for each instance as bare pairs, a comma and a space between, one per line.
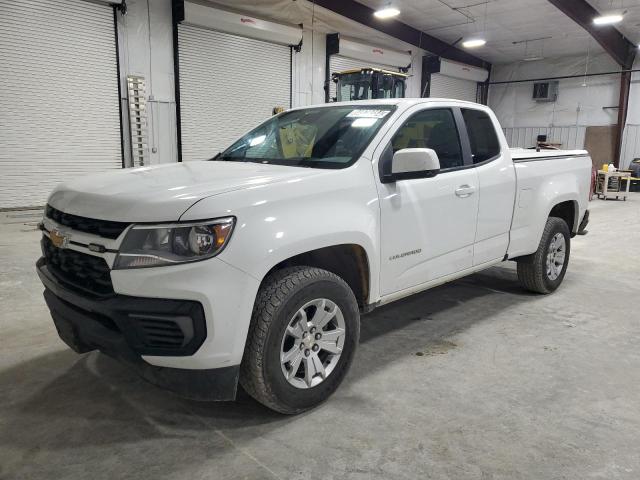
272, 295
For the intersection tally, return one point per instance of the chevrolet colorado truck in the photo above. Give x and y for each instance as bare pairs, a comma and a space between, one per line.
254, 267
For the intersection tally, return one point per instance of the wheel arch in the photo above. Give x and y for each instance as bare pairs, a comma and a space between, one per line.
349, 261
569, 211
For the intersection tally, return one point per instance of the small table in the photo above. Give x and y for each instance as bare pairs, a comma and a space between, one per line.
608, 184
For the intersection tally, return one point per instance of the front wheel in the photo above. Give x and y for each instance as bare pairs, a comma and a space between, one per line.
304, 331
544, 270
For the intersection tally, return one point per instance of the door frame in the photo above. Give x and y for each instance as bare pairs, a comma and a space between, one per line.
377, 159
465, 143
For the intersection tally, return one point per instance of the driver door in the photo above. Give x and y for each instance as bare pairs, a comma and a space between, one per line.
428, 225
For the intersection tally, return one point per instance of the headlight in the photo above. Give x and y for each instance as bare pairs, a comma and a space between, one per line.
157, 245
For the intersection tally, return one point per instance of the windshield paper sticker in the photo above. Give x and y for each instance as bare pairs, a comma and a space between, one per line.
368, 113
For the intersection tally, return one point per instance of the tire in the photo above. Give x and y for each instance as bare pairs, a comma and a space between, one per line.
533, 271
287, 300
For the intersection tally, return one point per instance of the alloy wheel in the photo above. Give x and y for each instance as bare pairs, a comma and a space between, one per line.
556, 256
312, 343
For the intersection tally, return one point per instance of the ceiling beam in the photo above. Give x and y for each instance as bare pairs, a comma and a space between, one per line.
623, 106
609, 38
364, 15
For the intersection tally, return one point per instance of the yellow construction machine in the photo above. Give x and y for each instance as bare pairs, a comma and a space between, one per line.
367, 83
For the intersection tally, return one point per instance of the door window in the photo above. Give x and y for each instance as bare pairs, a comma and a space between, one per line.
385, 86
482, 135
436, 129
398, 89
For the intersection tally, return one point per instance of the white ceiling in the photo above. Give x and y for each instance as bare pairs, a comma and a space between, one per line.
502, 22
630, 26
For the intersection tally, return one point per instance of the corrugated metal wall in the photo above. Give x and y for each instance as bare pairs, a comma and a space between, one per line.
59, 85
444, 86
228, 84
571, 138
630, 145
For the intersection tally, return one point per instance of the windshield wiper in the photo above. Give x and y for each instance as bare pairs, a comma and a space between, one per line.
307, 162
229, 158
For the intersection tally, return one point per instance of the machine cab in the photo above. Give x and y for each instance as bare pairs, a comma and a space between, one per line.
368, 83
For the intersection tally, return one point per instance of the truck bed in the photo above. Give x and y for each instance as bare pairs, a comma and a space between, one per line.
559, 174
530, 154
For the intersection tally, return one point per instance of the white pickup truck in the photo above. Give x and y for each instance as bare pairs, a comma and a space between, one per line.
254, 267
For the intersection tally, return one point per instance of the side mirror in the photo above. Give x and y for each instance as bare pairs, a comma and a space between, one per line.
414, 163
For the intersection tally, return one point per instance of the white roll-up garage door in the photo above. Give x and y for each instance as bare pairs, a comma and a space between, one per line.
338, 63
228, 84
444, 86
58, 77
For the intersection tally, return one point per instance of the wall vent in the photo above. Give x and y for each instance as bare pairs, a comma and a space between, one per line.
545, 91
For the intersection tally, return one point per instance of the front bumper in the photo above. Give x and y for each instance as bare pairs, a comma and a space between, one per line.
128, 328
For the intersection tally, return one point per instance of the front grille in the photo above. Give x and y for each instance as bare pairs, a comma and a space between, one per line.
79, 270
102, 228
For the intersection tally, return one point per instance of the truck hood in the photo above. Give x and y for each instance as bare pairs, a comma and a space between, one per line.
164, 192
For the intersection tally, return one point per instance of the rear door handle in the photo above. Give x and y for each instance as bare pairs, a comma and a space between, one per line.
464, 191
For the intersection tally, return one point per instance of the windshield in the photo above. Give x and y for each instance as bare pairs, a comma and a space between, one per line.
322, 137
354, 86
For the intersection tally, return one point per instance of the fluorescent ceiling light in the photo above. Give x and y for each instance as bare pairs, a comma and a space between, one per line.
476, 42
608, 19
531, 59
387, 12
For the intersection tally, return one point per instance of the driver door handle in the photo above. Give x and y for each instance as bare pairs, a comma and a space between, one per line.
464, 191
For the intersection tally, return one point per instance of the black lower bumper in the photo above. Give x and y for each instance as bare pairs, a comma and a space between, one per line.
126, 328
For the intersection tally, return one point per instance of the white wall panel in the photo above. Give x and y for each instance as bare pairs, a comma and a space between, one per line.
146, 49
570, 137
633, 114
228, 84
59, 116
631, 137
581, 101
414, 87
630, 145
308, 70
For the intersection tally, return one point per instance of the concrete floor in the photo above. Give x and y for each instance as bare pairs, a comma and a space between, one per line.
473, 380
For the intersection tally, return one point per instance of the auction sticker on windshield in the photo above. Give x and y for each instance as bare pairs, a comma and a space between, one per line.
368, 113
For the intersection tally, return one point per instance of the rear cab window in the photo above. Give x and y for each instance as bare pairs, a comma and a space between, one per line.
482, 135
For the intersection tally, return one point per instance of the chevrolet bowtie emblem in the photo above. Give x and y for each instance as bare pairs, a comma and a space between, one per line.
58, 238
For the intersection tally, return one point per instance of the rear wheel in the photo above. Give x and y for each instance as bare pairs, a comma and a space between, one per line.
543, 271
303, 334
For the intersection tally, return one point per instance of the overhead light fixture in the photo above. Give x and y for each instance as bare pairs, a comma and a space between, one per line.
386, 12
474, 43
531, 55
609, 19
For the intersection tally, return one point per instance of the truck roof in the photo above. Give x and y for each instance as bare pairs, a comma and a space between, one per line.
392, 101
